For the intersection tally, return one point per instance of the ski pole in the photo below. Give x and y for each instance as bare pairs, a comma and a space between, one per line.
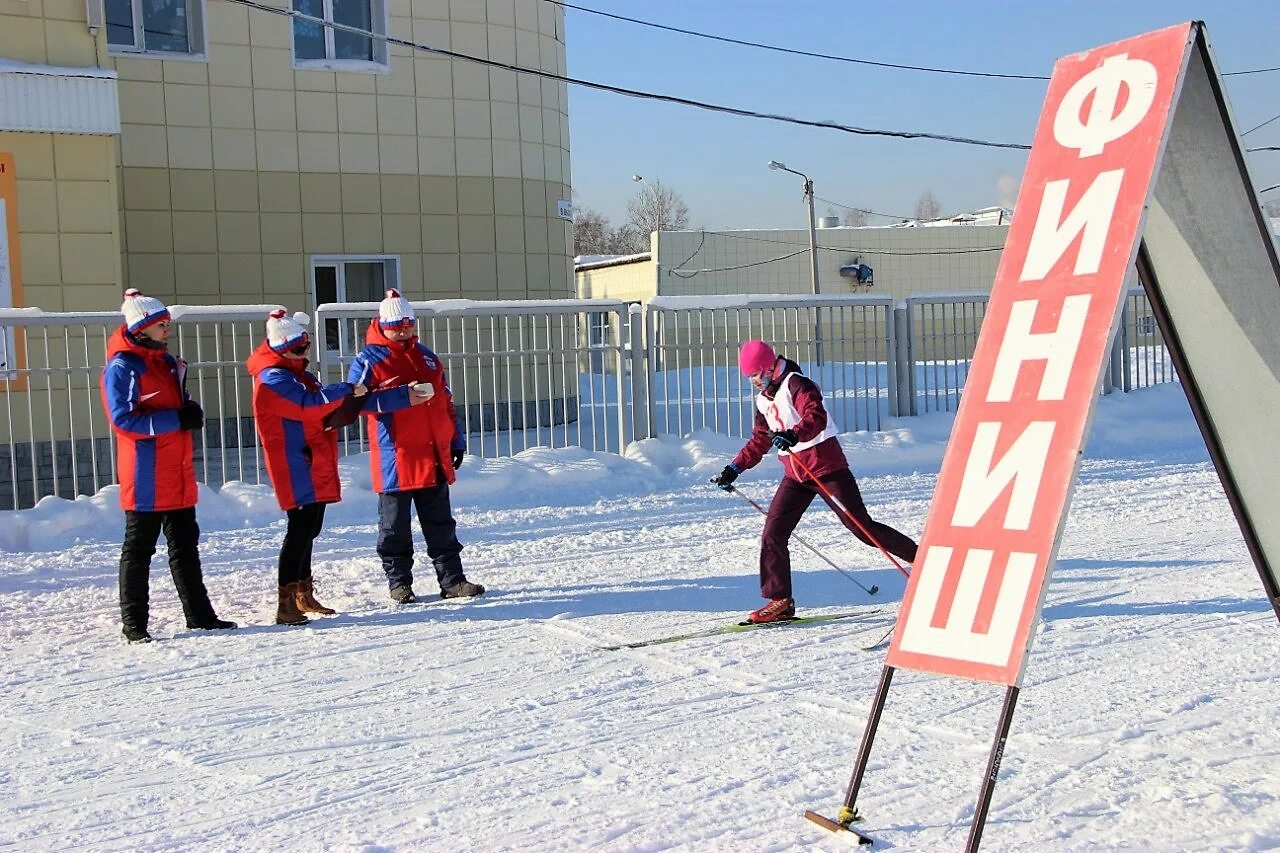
872, 591
840, 507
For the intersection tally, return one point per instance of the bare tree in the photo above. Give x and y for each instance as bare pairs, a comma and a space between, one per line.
591, 232
627, 240
927, 206
657, 208
855, 217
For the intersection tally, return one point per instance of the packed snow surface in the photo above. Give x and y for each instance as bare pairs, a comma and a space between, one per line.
1147, 718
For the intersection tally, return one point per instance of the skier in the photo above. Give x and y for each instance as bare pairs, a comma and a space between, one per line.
791, 417
145, 397
289, 410
415, 453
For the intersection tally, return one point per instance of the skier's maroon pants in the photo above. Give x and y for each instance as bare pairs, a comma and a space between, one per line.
789, 503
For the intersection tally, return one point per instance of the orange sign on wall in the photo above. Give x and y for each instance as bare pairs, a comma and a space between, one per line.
10, 265
1006, 480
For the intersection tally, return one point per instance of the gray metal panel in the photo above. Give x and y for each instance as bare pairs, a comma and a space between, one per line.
1216, 279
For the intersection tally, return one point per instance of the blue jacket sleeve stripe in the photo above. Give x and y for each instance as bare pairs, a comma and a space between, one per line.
386, 439
295, 440
144, 474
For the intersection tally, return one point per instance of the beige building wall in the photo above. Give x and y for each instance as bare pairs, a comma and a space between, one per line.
238, 171
68, 227
630, 281
906, 261
68, 237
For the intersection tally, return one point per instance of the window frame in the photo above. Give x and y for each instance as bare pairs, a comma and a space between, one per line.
197, 35
381, 62
391, 278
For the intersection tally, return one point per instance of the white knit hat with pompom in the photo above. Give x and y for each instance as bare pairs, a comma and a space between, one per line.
141, 311
395, 311
285, 332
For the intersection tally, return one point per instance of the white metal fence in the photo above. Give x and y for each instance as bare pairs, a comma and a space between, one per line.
844, 343
523, 374
595, 374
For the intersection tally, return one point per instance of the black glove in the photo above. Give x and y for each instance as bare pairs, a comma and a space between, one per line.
457, 459
191, 416
725, 478
784, 439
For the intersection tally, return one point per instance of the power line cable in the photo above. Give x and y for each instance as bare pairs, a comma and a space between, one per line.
1250, 71
833, 57
795, 52
862, 209
1269, 189
869, 251
1265, 148
1264, 124
633, 93
683, 273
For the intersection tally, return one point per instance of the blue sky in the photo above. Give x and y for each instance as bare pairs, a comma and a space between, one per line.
718, 162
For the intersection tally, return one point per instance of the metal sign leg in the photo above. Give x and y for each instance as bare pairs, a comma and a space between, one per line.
993, 770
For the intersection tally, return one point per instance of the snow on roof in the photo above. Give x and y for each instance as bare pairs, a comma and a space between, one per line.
593, 262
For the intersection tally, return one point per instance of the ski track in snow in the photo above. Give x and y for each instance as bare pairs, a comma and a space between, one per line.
1147, 718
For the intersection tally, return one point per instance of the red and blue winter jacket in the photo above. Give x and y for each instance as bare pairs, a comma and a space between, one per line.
410, 444
289, 406
142, 391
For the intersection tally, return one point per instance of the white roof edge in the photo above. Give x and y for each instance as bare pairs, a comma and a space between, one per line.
12, 66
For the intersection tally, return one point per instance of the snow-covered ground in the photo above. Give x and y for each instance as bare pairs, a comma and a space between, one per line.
1148, 717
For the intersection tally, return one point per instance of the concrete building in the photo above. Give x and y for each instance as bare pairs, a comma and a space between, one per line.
209, 153
903, 261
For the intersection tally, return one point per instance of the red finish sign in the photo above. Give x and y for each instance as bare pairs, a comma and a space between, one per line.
1006, 480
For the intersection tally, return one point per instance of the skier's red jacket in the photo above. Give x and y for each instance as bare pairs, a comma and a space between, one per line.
821, 459
407, 445
289, 406
142, 392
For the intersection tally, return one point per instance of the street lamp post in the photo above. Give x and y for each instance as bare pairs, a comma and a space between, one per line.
639, 179
813, 250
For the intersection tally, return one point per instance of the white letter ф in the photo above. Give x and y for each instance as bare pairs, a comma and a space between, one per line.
1103, 125
957, 640
1057, 348
1052, 234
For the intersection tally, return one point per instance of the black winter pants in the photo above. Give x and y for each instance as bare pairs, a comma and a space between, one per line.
305, 523
141, 532
395, 536
789, 503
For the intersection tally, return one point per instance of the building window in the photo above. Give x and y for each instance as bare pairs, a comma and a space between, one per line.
318, 46
162, 27
351, 279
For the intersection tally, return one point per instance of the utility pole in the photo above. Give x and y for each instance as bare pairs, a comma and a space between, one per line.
813, 252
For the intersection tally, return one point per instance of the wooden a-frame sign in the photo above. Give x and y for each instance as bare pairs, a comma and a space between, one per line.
1135, 160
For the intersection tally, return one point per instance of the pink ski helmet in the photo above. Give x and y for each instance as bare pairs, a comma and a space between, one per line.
756, 357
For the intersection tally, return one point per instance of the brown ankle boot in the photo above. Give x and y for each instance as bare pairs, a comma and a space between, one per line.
306, 599
287, 612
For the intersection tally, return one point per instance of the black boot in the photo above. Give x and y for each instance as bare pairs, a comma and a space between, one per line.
462, 589
136, 635
213, 623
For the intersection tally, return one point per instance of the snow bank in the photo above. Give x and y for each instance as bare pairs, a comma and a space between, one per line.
1151, 421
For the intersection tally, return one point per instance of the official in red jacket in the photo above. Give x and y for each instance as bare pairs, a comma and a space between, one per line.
791, 417
415, 452
152, 416
289, 409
